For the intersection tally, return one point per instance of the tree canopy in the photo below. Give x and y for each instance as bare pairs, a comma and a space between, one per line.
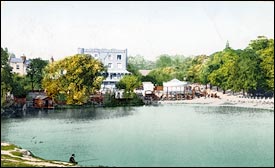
35, 72
128, 83
75, 77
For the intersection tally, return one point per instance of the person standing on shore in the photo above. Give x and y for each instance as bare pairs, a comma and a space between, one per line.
72, 160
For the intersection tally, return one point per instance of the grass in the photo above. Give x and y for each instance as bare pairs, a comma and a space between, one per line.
7, 163
3, 156
9, 147
17, 153
16, 160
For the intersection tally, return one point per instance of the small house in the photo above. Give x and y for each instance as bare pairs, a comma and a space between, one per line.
43, 102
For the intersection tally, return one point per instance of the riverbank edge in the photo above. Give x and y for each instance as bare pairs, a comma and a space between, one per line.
220, 102
14, 156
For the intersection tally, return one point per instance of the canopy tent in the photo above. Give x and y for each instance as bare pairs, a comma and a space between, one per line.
174, 85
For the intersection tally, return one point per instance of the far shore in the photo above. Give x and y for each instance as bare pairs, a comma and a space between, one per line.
227, 100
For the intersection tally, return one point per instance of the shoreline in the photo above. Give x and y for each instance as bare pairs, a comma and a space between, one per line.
226, 100
15, 156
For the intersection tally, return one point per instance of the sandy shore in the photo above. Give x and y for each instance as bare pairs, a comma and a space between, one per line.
227, 100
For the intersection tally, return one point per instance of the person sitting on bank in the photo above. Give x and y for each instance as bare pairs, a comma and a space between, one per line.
72, 159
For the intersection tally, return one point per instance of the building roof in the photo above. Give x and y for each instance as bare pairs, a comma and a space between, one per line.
19, 60
175, 82
144, 72
103, 50
16, 60
118, 71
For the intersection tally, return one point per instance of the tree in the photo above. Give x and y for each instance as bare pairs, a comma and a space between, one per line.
162, 75
76, 77
164, 61
223, 69
195, 69
6, 75
248, 72
35, 72
264, 48
18, 86
129, 83
139, 62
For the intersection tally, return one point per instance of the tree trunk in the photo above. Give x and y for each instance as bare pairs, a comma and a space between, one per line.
223, 92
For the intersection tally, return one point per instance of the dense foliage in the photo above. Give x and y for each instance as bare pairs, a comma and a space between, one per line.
250, 70
6, 75
76, 77
35, 72
128, 83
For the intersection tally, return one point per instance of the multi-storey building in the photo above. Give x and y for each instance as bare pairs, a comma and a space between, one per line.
19, 65
115, 61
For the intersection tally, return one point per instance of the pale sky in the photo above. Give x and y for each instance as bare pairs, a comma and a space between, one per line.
45, 29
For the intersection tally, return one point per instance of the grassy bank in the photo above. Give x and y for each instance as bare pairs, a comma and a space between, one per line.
14, 156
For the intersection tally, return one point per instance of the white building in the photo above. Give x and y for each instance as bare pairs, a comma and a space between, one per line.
174, 86
115, 60
148, 88
19, 65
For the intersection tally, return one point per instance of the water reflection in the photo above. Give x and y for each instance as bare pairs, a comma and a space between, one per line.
83, 114
228, 110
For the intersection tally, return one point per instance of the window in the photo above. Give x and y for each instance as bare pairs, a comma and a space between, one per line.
110, 65
110, 57
119, 65
17, 66
118, 57
118, 75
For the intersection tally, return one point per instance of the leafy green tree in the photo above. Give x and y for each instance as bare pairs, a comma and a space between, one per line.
76, 77
35, 72
129, 83
148, 78
134, 70
264, 48
194, 71
164, 61
6, 75
139, 62
248, 72
223, 68
18, 86
162, 75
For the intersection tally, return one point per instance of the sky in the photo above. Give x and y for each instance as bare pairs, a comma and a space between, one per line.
42, 29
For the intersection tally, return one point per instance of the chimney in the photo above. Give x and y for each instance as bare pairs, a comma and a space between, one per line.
23, 58
52, 60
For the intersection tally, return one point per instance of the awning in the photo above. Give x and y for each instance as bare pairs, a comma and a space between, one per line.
174, 82
124, 71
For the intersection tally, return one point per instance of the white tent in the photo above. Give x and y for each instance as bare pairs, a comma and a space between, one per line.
147, 87
174, 85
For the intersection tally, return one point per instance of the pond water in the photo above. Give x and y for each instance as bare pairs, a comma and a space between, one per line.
165, 135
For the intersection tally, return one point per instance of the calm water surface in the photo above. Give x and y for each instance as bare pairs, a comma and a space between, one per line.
166, 135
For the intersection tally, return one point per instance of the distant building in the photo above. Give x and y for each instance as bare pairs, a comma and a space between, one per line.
115, 60
144, 72
174, 86
19, 65
148, 88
